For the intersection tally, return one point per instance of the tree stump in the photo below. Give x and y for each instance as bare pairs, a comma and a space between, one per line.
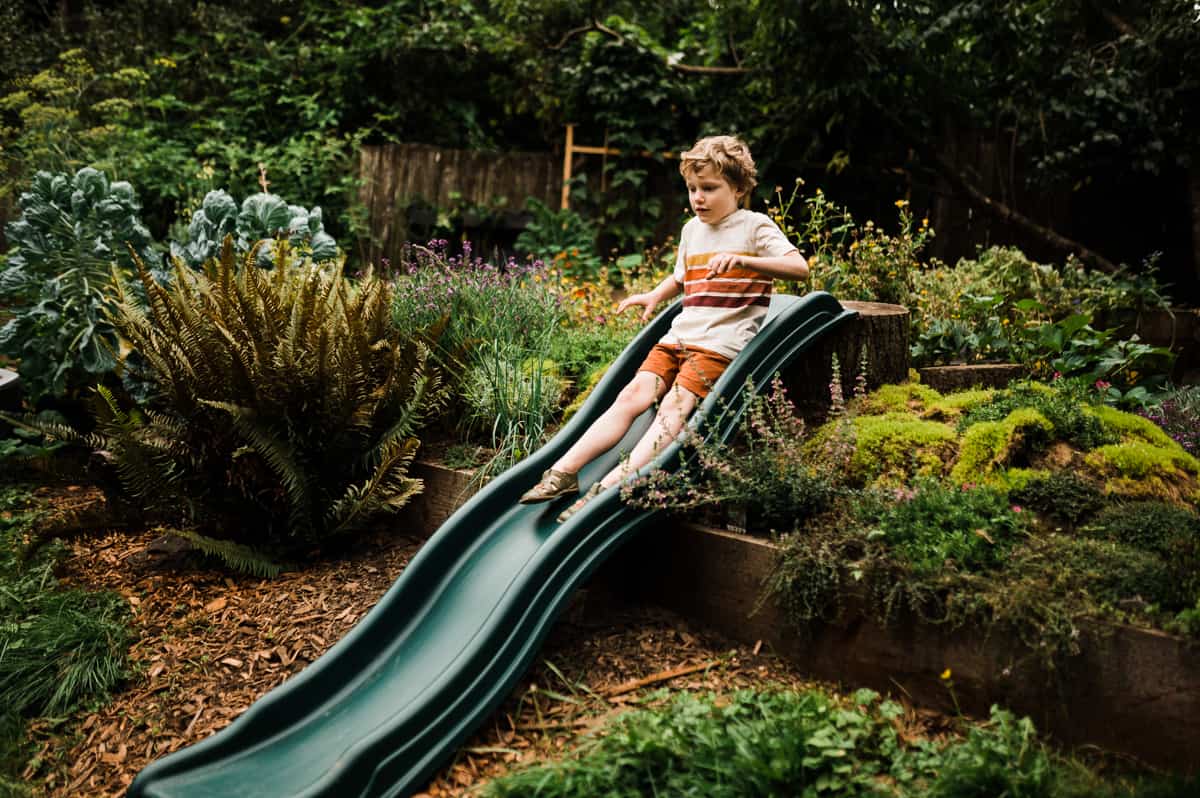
972, 375
882, 329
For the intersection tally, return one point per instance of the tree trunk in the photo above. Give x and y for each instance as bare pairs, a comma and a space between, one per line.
883, 330
1194, 190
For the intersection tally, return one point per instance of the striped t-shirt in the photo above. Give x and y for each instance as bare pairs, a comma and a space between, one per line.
723, 313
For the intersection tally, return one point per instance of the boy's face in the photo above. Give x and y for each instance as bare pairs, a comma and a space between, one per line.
711, 196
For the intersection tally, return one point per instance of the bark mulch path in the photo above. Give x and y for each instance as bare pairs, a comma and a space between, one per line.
210, 643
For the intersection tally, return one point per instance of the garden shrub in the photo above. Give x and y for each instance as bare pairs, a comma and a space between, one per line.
766, 470
288, 402
775, 742
262, 218
1167, 530
73, 230
1071, 418
483, 316
1062, 496
1178, 414
932, 527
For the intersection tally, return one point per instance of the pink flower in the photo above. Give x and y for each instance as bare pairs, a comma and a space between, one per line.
1102, 385
1016, 508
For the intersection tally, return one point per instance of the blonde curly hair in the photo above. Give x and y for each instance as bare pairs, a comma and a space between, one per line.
728, 156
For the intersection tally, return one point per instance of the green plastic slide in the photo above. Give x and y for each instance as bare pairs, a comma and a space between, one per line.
393, 700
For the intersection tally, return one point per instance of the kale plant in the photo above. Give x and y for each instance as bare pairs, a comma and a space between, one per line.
73, 231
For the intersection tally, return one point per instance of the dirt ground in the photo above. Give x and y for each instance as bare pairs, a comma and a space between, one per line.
210, 643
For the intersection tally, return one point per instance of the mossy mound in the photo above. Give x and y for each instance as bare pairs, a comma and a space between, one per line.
1140, 470
905, 398
952, 406
989, 448
894, 448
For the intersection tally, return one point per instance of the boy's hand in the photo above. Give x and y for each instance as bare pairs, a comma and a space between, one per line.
722, 262
645, 300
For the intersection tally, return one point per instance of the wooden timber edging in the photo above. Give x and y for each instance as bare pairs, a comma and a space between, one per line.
1133, 691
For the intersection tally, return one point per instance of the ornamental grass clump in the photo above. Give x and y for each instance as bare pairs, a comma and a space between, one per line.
287, 402
491, 327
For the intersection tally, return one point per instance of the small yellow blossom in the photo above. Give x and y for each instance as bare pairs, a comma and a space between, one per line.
165, 62
901, 203
946, 674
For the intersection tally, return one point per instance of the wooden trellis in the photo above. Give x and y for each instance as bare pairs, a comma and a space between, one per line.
571, 149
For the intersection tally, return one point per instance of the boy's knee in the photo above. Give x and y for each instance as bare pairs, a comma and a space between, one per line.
638, 394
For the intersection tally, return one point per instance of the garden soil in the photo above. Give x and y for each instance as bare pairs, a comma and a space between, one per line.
210, 643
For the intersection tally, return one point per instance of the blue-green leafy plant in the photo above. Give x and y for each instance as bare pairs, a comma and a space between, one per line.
262, 217
73, 230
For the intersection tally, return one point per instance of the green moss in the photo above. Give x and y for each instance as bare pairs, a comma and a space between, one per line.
990, 445
1140, 470
895, 447
1127, 425
1017, 478
908, 397
954, 405
1141, 459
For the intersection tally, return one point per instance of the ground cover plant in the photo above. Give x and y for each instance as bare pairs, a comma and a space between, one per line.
1034, 509
773, 742
60, 649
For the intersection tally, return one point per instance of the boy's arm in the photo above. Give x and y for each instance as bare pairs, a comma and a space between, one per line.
792, 266
668, 288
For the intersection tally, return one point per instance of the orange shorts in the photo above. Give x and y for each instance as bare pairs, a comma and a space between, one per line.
694, 369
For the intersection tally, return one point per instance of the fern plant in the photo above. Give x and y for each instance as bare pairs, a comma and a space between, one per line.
286, 401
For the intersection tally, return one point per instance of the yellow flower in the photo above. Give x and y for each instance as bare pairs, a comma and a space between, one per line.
163, 61
925, 222
946, 674
1133, 375
901, 203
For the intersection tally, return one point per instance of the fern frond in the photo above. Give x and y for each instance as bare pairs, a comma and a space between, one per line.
279, 454
243, 559
387, 490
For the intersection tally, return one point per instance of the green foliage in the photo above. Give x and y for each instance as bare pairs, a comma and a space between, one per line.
288, 402
493, 325
1178, 414
234, 555
563, 238
1166, 530
1062, 496
263, 218
1069, 417
73, 231
766, 470
808, 743
59, 649
933, 528
855, 261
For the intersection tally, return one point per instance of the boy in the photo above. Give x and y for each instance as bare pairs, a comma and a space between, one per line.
727, 260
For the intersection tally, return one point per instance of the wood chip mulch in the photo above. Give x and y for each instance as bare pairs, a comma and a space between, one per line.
210, 643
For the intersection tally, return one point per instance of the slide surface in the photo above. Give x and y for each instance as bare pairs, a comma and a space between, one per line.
392, 701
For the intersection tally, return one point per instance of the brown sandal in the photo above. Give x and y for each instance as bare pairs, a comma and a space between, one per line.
594, 491
552, 485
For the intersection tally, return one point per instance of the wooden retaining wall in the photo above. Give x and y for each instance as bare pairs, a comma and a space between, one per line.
399, 177
1132, 691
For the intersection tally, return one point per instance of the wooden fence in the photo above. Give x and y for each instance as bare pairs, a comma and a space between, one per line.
402, 182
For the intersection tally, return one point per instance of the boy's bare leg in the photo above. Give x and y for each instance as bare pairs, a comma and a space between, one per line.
673, 412
606, 431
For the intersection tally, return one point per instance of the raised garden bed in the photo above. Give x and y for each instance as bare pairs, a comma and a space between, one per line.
1131, 690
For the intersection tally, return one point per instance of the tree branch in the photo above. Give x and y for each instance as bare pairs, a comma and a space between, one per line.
977, 197
709, 70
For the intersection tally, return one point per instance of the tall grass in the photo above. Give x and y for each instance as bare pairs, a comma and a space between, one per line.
59, 649
494, 325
